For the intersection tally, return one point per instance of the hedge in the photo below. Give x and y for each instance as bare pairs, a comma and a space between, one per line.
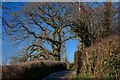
100, 60
31, 70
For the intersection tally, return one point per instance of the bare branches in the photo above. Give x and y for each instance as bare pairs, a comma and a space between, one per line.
43, 22
71, 37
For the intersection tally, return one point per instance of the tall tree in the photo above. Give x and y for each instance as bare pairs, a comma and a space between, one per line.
42, 24
93, 21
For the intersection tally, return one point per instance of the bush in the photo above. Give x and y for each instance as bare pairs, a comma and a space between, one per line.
32, 70
102, 59
84, 76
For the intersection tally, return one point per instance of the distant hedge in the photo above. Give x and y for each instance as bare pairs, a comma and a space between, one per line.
101, 60
31, 70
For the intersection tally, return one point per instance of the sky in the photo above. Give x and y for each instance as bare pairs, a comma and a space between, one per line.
9, 49
0, 34
59, 0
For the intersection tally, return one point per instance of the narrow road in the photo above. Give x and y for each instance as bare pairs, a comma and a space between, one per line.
61, 75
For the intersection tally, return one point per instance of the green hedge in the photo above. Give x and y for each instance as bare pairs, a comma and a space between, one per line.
32, 70
101, 60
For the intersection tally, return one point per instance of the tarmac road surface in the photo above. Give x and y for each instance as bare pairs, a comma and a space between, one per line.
61, 75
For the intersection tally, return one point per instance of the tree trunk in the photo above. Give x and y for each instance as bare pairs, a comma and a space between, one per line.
106, 22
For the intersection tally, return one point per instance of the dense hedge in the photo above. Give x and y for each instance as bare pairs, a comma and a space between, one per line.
32, 70
101, 60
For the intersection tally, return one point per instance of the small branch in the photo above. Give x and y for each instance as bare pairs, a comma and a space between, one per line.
68, 38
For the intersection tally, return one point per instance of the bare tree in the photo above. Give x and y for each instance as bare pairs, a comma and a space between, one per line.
44, 26
93, 21
47, 26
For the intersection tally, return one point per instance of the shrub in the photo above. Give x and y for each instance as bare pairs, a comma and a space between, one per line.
32, 70
84, 77
102, 59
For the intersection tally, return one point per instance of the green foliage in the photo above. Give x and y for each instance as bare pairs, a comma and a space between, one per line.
112, 65
84, 76
56, 58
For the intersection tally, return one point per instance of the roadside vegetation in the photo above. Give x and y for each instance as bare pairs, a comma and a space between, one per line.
45, 28
31, 70
101, 60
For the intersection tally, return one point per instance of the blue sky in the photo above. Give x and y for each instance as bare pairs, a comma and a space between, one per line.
0, 34
9, 49
60, 0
